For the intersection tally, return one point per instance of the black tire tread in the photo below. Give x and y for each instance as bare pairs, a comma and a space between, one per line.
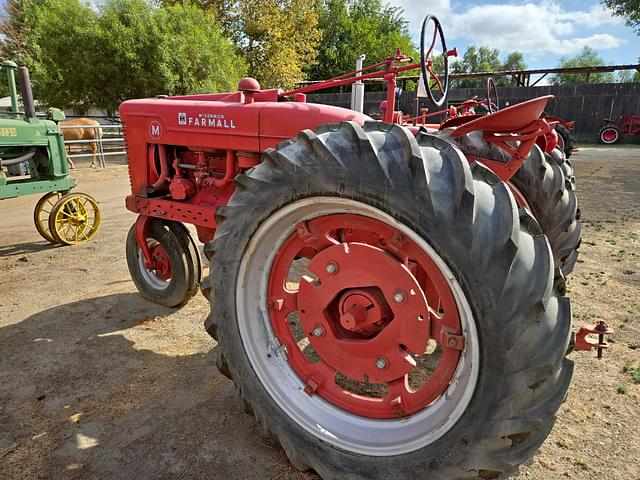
178, 291
567, 138
548, 184
498, 252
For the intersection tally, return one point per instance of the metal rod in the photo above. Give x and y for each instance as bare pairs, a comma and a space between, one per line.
80, 155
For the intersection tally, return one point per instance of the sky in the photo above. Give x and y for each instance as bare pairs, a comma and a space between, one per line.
543, 31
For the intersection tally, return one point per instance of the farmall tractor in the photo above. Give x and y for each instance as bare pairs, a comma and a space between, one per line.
60, 216
389, 300
613, 130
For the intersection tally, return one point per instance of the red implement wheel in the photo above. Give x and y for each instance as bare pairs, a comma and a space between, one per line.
169, 281
609, 134
385, 310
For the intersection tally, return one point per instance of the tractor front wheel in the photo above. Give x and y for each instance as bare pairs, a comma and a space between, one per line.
609, 134
41, 214
385, 309
170, 279
75, 218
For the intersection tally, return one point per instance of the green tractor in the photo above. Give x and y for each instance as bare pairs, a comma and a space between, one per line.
36, 144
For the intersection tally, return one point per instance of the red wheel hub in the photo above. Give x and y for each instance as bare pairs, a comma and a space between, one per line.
363, 266
161, 262
368, 303
609, 135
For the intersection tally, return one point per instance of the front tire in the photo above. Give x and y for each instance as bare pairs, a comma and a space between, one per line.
170, 280
609, 135
461, 220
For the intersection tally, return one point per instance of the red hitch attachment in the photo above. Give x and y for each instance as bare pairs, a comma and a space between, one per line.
601, 329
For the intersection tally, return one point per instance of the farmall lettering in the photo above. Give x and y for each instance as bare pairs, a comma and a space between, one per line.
209, 120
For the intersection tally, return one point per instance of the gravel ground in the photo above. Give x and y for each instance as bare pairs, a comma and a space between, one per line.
96, 383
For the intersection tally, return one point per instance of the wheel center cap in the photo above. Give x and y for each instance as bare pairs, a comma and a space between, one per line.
364, 312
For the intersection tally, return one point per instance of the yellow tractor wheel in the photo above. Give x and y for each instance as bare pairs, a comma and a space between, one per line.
75, 218
41, 214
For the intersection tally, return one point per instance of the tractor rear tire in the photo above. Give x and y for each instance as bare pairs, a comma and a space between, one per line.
568, 142
173, 291
498, 263
547, 183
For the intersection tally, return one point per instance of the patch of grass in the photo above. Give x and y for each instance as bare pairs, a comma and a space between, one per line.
621, 255
583, 315
579, 462
634, 372
563, 443
622, 389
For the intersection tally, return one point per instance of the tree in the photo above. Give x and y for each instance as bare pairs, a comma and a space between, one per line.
52, 39
279, 39
485, 59
624, 76
354, 27
127, 49
628, 9
588, 57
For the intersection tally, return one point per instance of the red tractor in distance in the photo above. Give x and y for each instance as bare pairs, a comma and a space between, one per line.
388, 299
613, 130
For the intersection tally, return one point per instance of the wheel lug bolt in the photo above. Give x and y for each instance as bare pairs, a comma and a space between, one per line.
318, 331
332, 268
381, 363
399, 296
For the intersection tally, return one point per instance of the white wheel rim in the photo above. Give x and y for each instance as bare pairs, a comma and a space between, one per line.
322, 419
150, 276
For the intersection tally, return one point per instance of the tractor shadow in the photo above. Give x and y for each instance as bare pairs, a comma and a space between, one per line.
81, 398
26, 248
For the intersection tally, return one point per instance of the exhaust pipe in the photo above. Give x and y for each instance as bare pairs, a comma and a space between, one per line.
26, 92
18, 160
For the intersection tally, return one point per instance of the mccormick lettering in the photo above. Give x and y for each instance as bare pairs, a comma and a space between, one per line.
209, 120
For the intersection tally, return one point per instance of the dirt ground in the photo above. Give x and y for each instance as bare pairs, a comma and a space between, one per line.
96, 383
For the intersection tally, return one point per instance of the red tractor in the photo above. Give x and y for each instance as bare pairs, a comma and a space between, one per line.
388, 299
613, 130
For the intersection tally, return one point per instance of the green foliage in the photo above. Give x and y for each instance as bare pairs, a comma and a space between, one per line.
633, 371
279, 39
63, 53
588, 57
628, 9
355, 27
485, 59
128, 49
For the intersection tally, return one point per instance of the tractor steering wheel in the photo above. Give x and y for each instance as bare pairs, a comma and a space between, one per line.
432, 80
491, 87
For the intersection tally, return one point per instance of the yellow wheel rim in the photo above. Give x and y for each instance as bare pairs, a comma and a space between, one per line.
75, 219
41, 214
